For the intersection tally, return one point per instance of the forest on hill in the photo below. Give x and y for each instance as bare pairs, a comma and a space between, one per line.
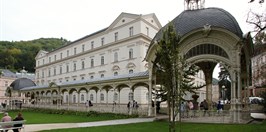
18, 54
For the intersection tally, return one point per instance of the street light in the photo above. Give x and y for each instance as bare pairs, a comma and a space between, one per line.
223, 92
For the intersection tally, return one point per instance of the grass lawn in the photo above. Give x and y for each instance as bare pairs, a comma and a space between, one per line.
42, 118
34, 117
163, 127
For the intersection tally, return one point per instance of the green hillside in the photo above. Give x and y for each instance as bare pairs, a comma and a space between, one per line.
18, 54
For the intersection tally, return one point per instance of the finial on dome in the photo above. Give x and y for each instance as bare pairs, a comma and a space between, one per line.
194, 4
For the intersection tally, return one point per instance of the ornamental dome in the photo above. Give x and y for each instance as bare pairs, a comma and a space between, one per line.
190, 20
22, 83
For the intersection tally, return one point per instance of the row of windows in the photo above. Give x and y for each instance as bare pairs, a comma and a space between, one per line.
102, 97
82, 77
83, 64
131, 33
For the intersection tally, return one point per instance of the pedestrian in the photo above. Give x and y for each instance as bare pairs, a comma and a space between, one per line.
90, 103
205, 106
128, 106
6, 118
182, 109
190, 107
18, 118
219, 107
87, 103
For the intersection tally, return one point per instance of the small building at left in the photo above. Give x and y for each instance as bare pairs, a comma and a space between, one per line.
10, 85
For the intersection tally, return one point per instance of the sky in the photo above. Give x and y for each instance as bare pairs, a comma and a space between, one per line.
73, 19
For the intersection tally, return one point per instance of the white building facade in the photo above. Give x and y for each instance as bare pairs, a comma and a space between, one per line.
109, 53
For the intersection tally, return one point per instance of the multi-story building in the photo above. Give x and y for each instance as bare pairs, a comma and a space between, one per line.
113, 51
259, 66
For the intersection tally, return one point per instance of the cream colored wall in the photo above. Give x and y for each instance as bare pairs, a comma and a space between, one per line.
122, 46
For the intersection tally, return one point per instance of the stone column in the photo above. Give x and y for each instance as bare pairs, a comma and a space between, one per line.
150, 89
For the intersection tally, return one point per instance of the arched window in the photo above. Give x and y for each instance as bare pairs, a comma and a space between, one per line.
130, 53
115, 96
102, 75
91, 97
130, 71
130, 96
115, 57
82, 97
74, 98
66, 98
91, 77
115, 73
102, 97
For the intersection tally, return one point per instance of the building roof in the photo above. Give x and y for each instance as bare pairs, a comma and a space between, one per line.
125, 76
8, 73
190, 20
22, 83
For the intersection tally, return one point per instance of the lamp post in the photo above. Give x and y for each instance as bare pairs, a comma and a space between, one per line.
223, 92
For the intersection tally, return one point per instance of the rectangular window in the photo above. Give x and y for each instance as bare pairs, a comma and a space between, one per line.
131, 31
60, 71
43, 61
49, 72
92, 44
102, 41
67, 68
49, 59
54, 57
61, 55
75, 51
74, 66
67, 53
102, 60
92, 63
116, 36
83, 64
42, 73
147, 30
54, 71
83, 48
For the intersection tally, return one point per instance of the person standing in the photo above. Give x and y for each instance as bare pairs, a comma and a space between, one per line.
18, 118
182, 109
205, 106
190, 108
87, 104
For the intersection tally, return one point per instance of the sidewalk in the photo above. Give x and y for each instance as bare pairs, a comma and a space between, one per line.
40, 127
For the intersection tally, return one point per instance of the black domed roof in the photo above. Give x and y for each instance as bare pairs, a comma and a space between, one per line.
190, 20
22, 83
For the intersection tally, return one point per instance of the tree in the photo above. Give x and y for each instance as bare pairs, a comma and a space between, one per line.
175, 73
258, 20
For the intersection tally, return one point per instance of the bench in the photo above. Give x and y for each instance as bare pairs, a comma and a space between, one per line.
10, 125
